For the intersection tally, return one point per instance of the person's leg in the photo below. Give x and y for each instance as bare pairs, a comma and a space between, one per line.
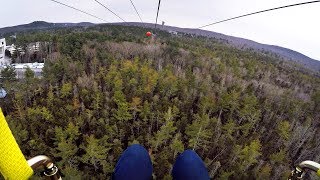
134, 163
189, 166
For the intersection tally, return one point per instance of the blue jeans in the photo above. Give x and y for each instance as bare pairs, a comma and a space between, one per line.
135, 164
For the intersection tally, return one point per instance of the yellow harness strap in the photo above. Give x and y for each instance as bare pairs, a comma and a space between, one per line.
318, 173
13, 164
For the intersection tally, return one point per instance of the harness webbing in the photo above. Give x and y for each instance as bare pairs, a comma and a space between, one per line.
13, 164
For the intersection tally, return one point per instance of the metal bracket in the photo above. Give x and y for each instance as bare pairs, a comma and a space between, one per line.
300, 170
47, 166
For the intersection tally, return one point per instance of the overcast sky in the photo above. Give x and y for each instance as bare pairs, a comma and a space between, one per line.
297, 28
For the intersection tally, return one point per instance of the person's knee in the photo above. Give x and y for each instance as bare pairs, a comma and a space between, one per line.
134, 163
189, 157
189, 166
136, 146
137, 149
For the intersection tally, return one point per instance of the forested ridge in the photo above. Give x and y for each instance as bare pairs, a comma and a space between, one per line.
248, 115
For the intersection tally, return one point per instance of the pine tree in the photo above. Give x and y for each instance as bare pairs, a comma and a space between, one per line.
165, 132
283, 130
228, 102
249, 155
8, 74
96, 153
66, 90
29, 75
249, 111
65, 141
177, 145
199, 132
121, 113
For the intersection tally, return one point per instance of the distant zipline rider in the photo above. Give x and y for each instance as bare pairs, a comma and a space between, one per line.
148, 34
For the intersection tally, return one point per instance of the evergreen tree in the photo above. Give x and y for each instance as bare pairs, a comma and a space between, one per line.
165, 132
199, 132
8, 74
96, 153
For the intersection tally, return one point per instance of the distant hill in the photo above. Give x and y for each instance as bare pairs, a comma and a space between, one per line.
286, 54
282, 52
41, 25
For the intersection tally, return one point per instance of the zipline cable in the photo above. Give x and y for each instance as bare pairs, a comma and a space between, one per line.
109, 10
79, 10
155, 29
258, 12
155, 25
136, 11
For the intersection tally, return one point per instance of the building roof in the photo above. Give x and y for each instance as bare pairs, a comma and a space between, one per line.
25, 65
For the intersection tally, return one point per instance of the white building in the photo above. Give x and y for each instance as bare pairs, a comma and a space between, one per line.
21, 69
35, 67
173, 32
34, 47
3, 47
12, 49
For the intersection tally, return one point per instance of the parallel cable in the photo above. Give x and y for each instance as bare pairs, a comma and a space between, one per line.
272, 9
155, 29
79, 10
109, 10
155, 26
136, 11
